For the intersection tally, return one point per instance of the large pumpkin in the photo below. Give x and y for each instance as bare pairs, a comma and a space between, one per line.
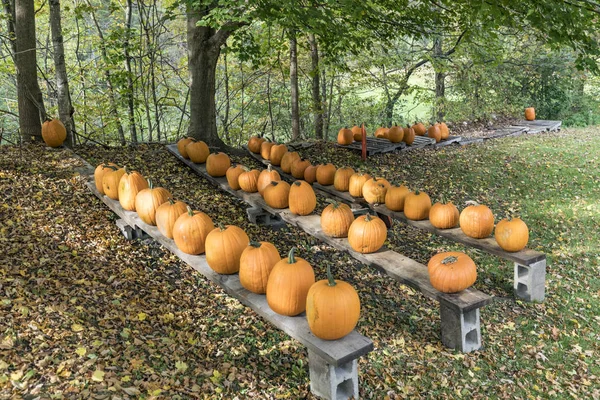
277, 194
265, 149
345, 137
182, 144
190, 231
374, 190
302, 198
409, 136
417, 206
233, 176
148, 200
277, 153
266, 177
434, 133
357, 181
129, 187
512, 235
299, 166
444, 216
530, 113
336, 219
217, 164
395, 134
477, 221
310, 173
99, 174
167, 214
341, 179
419, 128
451, 272
248, 180
224, 246
54, 132
197, 152
367, 234
382, 132
288, 285
395, 196
256, 263
326, 174
444, 131
110, 181
357, 133
287, 161
332, 308
254, 144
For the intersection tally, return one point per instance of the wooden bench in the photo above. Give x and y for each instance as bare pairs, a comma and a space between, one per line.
460, 315
529, 281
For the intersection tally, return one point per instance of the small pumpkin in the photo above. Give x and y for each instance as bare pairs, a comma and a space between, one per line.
395, 196
99, 174
248, 180
148, 200
277, 153
444, 131
254, 144
265, 178
302, 198
336, 219
357, 181
530, 114
166, 215
233, 176
310, 173
190, 231
374, 190
217, 164
395, 134
512, 235
197, 152
54, 132
434, 133
287, 160
417, 206
451, 272
345, 137
357, 133
299, 166
341, 179
110, 181
224, 247
277, 194
382, 132
419, 129
409, 136
288, 285
367, 234
182, 144
130, 185
332, 308
256, 263
326, 174
444, 216
265, 149
477, 221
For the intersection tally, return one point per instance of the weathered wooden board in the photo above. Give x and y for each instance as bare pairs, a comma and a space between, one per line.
375, 146
451, 139
335, 352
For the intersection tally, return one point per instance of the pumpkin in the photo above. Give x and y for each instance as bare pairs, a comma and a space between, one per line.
382, 132
434, 133
345, 137
248, 180
256, 263
190, 231
233, 176
287, 160
54, 132
302, 198
530, 113
357, 181
512, 235
217, 164
336, 219
265, 178
419, 129
265, 150
277, 153
477, 221
357, 133
395, 196
224, 247
367, 234
444, 216
148, 200
310, 173
166, 215
417, 206
288, 285
197, 152
341, 179
254, 144
444, 131
451, 272
129, 187
182, 144
299, 166
395, 134
110, 181
99, 175
326, 174
277, 194
374, 190
409, 136
332, 308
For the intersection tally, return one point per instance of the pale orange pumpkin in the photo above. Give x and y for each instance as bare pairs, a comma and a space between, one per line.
265, 178
130, 185
357, 133
287, 160
357, 181
299, 166
444, 131
374, 190
382, 132
182, 144
248, 180
197, 152
477, 221
99, 174
302, 198
434, 133
148, 200
326, 174
341, 179
451, 272
419, 128
265, 149
345, 137
110, 181
395, 196
54, 132
530, 114
310, 173
277, 194
367, 234
233, 176
256, 263
277, 153
254, 144
395, 134
224, 247
190, 231
166, 215
409, 136
417, 206
512, 235
444, 216
217, 164
336, 219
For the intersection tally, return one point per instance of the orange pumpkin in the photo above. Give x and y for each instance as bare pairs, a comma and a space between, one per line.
336, 219
287, 160
310, 173
197, 152
417, 206
265, 149
341, 179
217, 164
477, 221
530, 114
395, 196
129, 187
248, 180
434, 133
374, 190
254, 144
357, 181
277, 153
224, 247
409, 136
302, 198
419, 129
444, 131
512, 235
382, 132
277, 194
148, 200
299, 166
265, 178
256, 263
110, 181
367, 234
357, 133
166, 215
99, 175
444, 216
182, 144
451, 272
345, 137
233, 175
326, 174
395, 134
54, 132
190, 231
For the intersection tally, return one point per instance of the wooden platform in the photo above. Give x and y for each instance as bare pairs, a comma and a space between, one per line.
375, 146
520, 128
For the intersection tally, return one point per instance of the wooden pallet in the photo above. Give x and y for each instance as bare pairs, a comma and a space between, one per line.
375, 146
520, 128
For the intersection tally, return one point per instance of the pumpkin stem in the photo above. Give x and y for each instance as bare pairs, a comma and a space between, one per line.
255, 244
190, 211
171, 200
417, 192
330, 276
150, 184
368, 217
274, 183
111, 167
291, 258
297, 183
333, 202
449, 260
221, 226
269, 168
125, 169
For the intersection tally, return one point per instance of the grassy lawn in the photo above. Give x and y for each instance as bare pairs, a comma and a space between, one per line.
88, 314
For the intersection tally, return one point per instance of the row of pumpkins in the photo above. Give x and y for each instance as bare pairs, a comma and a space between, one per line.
366, 233
332, 306
396, 134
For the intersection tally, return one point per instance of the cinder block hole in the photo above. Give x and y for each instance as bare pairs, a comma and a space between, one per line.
522, 271
470, 319
345, 390
522, 290
472, 338
343, 371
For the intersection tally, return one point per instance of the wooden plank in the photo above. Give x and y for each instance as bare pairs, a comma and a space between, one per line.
335, 352
450, 140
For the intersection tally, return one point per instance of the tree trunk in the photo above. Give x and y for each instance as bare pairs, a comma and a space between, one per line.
31, 104
9, 8
65, 107
129, 91
316, 87
440, 82
294, 87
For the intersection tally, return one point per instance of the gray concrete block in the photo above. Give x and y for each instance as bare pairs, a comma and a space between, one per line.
258, 216
129, 232
530, 281
460, 330
331, 382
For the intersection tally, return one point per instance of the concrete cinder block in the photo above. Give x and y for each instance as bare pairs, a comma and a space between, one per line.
460, 330
530, 281
258, 216
129, 232
331, 382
